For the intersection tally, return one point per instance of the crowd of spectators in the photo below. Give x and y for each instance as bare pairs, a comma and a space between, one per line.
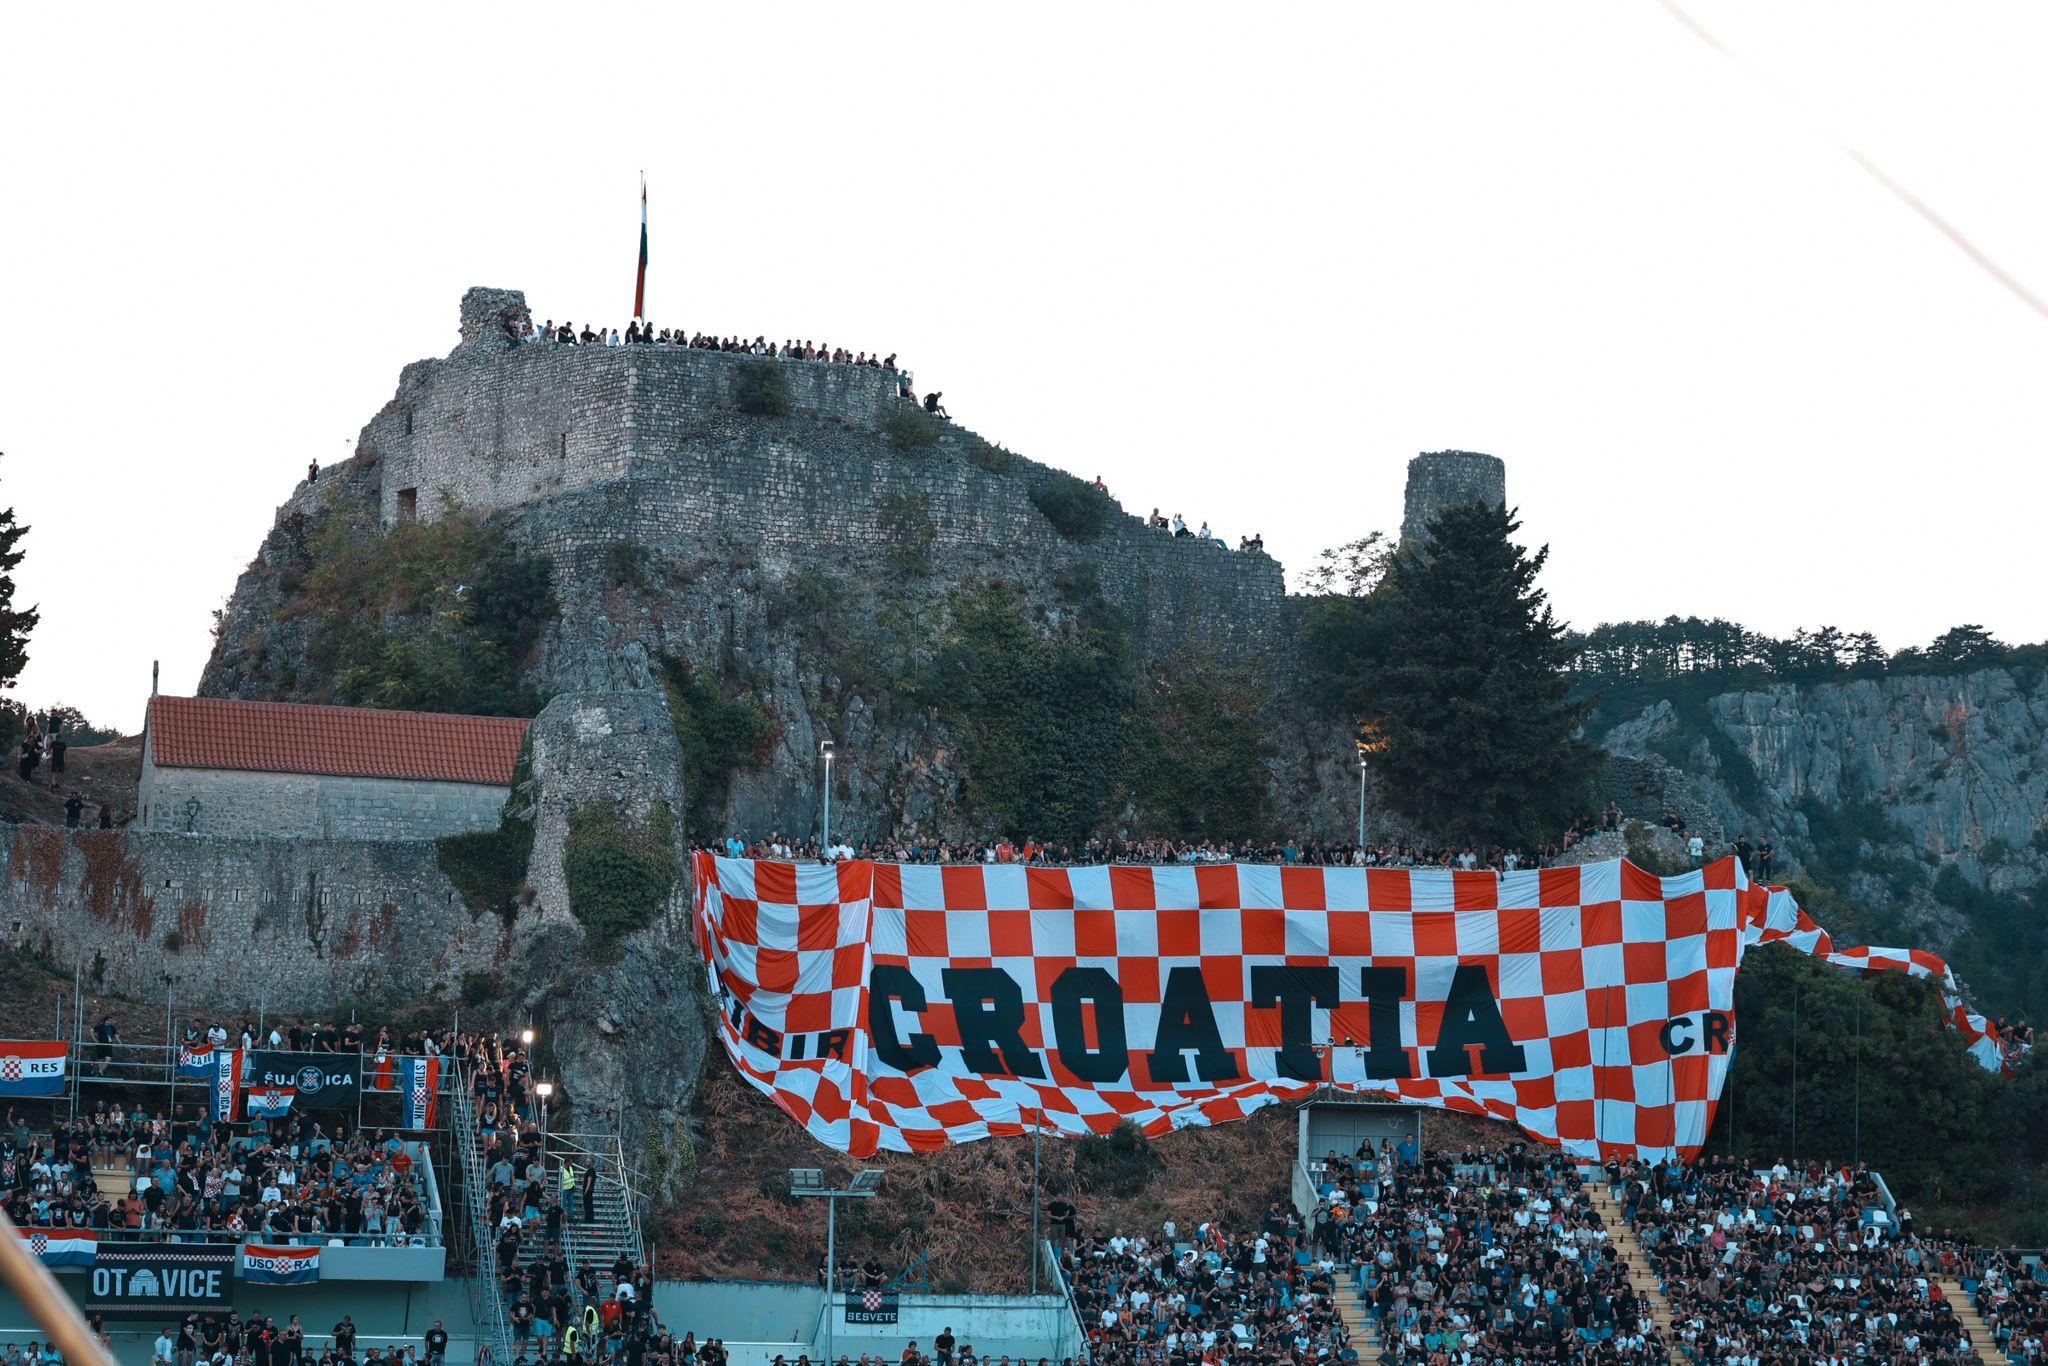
638, 333
293, 1179
1470, 1257
2013, 1298
1793, 1264
1097, 850
1177, 527
1251, 1297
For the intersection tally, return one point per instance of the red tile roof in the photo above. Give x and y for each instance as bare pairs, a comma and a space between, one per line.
352, 742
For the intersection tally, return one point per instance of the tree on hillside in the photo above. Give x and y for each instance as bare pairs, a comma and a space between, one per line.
1470, 682
15, 623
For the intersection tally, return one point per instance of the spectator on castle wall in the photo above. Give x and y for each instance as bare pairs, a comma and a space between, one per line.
1696, 849
74, 806
312, 470
1180, 528
932, 406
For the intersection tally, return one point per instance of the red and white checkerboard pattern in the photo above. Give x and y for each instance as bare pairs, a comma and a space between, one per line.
1589, 965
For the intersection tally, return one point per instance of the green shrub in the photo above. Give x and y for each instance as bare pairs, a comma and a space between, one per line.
762, 388
989, 456
1077, 509
906, 520
719, 736
620, 875
429, 616
1118, 1163
488, 867
910, 428
626, 565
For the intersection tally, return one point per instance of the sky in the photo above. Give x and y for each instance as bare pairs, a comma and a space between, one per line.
1242, 262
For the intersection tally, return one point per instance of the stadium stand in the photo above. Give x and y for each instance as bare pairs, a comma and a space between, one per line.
1782, 1263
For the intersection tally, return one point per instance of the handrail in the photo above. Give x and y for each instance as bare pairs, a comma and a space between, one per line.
1050, 1252
487, 1298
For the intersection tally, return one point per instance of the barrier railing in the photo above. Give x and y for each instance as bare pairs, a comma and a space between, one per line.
487, 1297
1082, 1350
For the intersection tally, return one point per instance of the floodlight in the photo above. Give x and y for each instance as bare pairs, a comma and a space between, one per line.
526, 1037
806, 1180
825, 748
867, 1182
543, 1089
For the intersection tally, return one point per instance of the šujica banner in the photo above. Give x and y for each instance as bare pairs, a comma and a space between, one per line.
908, 1006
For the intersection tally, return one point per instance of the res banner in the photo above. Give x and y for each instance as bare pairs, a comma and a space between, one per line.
908, 1007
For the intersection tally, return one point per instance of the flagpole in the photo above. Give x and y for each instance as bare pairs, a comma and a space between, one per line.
51, 1308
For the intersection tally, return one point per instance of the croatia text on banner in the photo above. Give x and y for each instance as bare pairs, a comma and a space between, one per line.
32, 1067
421, 1078
280, 1265
61, 1247
908, 1007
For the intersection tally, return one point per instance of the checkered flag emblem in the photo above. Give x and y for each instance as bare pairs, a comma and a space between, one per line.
38, 1244
10, 1068
871, 1299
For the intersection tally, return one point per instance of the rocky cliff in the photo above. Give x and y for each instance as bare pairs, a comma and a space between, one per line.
1923, 799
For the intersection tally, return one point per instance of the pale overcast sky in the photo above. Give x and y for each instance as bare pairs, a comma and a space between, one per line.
1242, 261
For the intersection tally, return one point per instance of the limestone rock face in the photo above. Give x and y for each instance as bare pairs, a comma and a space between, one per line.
1935, 770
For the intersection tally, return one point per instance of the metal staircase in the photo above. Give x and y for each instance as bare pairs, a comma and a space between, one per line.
614, 1226
487, 1297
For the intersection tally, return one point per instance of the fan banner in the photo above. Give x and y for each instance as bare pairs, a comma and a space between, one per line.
907, 1007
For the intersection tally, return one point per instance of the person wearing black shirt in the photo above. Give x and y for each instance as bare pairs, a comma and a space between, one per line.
345, 1336
1062, 1214
437, 1344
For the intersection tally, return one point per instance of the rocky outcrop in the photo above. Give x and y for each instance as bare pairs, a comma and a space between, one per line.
1886, 781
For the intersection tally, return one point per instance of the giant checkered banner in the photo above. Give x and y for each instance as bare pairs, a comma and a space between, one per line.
908, 1007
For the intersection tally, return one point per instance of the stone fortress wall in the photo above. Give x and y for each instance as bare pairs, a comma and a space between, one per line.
645, 444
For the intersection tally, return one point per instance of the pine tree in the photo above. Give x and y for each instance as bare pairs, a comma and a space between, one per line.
1471, 686
15, 624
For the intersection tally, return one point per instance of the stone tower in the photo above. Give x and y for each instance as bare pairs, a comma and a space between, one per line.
1445, 479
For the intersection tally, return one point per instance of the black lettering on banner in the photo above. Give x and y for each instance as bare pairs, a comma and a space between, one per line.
1717, 1029
1297, 991
1187, 1022
1386, 1057
1072, 992
835, 1043
761, 1036
1472, 1020
893, 982
988, 1008
1671, 1037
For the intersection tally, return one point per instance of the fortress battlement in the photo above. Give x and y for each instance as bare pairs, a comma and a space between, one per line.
497, 423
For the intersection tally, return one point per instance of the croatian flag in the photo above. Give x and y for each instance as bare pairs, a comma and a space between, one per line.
32, 1068
640, 283
270, 1101
227, 1082
61, 1246
191, 1064
422, 1080
280, 1265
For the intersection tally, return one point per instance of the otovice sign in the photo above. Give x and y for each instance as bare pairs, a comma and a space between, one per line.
908, 1007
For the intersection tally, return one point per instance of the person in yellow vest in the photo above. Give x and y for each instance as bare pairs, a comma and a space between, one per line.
568, 1186
569, 1337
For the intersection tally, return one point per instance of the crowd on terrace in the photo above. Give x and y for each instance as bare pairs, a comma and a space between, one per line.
1789, 1263
1255, 1298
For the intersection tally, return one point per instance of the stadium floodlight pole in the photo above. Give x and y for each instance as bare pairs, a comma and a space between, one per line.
1363, 764
1037, 1248
811, 1181
825, 823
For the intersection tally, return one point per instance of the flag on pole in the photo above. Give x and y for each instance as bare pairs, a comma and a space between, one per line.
263, 1265
640, 282
61, 1246
270, 1101
32, 1067
422, 1080
227, 1082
